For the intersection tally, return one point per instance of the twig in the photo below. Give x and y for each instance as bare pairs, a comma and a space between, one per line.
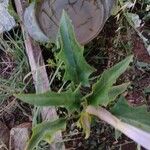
40, 78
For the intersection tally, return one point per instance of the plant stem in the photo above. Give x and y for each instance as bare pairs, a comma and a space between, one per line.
138, 135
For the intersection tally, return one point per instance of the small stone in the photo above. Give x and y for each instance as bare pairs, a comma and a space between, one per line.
19, 136
7, 22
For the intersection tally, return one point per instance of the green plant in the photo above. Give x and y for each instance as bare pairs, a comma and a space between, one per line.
135, 17
12, 11
13, 64
103, 93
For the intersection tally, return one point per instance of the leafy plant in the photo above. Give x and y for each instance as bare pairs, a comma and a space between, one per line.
103, 93
137, 116
46, 131
135, 20
12, 11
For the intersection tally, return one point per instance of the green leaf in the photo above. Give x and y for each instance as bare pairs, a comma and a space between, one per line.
147, 90
100, 92
67, 99
45, 131
76, 68
12, 11
115, 91
85, 123
135, 19
118, 134
136, 116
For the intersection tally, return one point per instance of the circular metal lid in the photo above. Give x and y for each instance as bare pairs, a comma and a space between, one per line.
87, 17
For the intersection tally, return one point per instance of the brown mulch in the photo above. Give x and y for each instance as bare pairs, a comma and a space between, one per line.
139, 50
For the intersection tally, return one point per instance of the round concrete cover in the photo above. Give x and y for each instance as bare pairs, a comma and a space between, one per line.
87, 17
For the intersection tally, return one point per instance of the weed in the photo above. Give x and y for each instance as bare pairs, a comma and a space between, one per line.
13, 67
134, 121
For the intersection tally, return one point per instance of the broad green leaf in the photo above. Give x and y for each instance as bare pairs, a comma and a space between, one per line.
67, 99
147, 90
100, 92
115, 91
45, 131
76, 67
137, 116
85, 123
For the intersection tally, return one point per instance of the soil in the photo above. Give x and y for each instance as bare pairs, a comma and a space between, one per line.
140, 82
102, 137
6, 65
139, 50
4, 135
